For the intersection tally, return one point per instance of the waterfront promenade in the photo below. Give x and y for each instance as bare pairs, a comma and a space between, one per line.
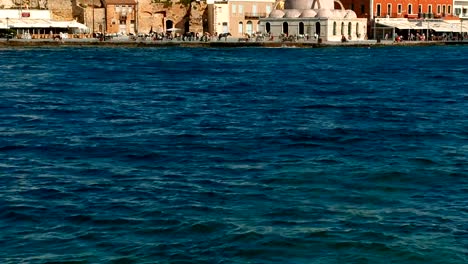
231, 42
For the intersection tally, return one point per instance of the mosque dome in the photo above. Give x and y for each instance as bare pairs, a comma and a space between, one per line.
325, 13
292, 13
337, 13
308, 13
350, 14
298, 4
276, 13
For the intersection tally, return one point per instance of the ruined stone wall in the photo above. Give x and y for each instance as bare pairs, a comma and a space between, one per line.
61, 9
199, 17
31, 4
151, 13
157, 16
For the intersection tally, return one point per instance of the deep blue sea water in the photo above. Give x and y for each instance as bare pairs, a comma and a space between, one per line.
248, 155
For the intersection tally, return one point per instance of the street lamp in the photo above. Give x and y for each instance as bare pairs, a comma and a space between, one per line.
8, 31
461, 28
93, 17
376, 21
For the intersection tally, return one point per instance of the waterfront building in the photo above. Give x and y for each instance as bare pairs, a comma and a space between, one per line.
314, 19
388, 18
120, 17
38, 23
241, 18
461, 8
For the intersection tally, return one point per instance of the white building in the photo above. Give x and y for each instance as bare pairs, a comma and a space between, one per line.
37, 23
460, 8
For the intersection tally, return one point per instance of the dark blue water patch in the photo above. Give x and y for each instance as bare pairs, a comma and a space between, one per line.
233, 155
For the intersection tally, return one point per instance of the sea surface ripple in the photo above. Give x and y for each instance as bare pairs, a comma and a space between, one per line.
247, 155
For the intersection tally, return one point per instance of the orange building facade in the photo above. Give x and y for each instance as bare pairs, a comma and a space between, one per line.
121, 16
371, 9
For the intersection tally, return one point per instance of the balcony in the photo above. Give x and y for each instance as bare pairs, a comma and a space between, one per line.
254, 15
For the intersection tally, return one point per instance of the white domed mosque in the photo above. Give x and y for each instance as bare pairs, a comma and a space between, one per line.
314, 20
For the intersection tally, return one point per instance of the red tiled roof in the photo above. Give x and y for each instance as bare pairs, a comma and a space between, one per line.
120, 2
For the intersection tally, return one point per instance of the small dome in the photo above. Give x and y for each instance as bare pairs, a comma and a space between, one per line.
298, 4
308, 13
327, 13
338, 13
276, 13
350, 14
292, 13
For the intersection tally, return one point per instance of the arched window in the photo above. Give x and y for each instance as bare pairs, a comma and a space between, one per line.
301, 28
357, 31
317, 28
342, 28
240, 28
334, 28
350, 28
268, 27
249, 28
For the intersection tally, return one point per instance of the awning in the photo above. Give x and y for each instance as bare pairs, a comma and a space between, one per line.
438, 26
402, 24
41, 23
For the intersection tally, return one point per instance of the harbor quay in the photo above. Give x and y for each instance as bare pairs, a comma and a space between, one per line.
214, 43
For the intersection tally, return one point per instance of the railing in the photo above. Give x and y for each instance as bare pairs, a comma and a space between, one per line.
414, 16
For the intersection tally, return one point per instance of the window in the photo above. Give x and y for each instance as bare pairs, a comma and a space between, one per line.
241, 9
438, 9
334, 28
389, 9
342, 28
399, 8
419, 9
240, 28
350, 27
268, 9
410, 9
449, 9
378, 14
234, 9
254, 10
363, 9
457, 11
249, 27
443, 9
429, 9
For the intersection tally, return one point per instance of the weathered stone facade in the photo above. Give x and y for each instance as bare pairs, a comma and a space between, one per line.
156, 15
161, 16
61, 9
